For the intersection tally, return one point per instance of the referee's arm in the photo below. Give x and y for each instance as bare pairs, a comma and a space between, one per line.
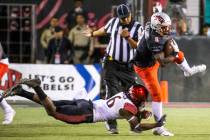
100, 32
133, 42
126, 34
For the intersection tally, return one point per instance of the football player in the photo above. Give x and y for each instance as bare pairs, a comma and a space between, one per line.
122, 105
181, 60
150, 55
9, 112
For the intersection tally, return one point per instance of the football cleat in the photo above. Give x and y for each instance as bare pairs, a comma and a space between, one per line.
12, 91
30, 82
8, 117
161, 131
113, 131
195, 69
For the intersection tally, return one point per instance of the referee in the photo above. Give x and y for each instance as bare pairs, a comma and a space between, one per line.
118, 74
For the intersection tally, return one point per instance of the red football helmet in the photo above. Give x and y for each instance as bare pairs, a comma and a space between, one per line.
138, 93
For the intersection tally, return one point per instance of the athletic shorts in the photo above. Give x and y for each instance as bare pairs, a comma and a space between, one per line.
74, 112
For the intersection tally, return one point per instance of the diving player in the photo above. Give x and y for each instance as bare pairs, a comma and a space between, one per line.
122, 105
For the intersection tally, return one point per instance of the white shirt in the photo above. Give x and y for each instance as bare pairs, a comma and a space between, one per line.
109, 109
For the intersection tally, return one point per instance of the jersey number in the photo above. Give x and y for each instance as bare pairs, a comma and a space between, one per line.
111, 101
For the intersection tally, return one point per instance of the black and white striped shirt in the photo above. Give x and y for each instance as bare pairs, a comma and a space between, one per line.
118, 47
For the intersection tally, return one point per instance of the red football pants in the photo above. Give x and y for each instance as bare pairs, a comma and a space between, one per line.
149, 76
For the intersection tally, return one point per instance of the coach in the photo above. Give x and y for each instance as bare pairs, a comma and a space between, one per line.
118, 74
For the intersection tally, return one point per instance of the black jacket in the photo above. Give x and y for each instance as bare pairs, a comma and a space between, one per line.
61, 46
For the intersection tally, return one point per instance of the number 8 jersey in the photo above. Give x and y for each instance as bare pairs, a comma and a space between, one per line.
109, 109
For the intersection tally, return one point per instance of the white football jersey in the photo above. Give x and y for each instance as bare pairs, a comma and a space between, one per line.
104, 110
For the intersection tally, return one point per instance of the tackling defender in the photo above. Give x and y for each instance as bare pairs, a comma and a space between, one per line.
122, 105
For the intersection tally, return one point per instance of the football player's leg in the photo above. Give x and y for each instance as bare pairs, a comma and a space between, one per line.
183, 65
9, 112
112, 88
19, 91
44, 99
150, 79
65, 102
74, 112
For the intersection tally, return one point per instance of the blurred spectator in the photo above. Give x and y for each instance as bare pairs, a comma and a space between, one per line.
80, 42
14, 25
15, 12
206, 30
177, 11
92, 20
48, 33
78, 9
26, 11
60, 50
26, 25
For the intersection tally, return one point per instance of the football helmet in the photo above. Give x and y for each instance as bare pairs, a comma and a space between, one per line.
161, 23
138, 93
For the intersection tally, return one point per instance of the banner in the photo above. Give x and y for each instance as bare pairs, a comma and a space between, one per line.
59, 82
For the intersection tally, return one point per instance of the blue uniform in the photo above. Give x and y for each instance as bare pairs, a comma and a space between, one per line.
150, 44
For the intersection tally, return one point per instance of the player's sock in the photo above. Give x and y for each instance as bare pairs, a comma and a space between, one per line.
5, 106
184, 66
26, 94
40, 93
157, 110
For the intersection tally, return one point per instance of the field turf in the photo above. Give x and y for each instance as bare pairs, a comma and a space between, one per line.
32, 123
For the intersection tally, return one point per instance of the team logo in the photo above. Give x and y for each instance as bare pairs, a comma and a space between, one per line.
12, 77
159, 18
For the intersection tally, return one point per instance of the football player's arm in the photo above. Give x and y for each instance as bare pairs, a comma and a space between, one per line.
169, 54
135, 124
164, 60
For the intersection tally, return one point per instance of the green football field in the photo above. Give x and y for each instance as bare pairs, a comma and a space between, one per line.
32, 123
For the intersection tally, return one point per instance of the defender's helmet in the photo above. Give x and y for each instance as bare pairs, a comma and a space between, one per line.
161, 23
138, 93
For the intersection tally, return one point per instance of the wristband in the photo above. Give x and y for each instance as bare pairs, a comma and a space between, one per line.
133, 117
137, 126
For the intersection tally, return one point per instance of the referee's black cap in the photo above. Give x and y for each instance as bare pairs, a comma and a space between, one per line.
123, 11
